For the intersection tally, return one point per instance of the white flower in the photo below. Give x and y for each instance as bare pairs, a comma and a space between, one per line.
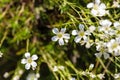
6, 75
32, 76
91, 66
105, 27
1, 54
17, 77
114, 46
29, 61
98, 9
80, 34
102, 48
101, 76
61, 36
116, 76
55, 68
116, 4
117, 25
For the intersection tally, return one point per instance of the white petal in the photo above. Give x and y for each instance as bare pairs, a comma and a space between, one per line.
101, 12
66, 40
54, 38
77, 39
23, 61
61, 42
74, 32
102, 6
63, 30
55, 30
105, 23
98, 54
27, 54
27, 66
94, 12
81, 27
34, 57
97, 2
92, 28
106, 55
34, 64
66, 36
90, 5
116, 24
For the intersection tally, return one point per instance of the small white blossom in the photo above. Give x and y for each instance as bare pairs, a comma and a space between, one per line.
102, 48
116, 76
32, 76
6, 75
114, 46
116, 4
117, 25
17, 77
55, 68
61, 36
80, 34
91, 66
101, 76
29, 61
98, 8
106, 27
1, 54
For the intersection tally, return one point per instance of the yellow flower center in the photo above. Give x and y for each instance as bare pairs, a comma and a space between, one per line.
29, 60
59, 35
81, 33
114, 45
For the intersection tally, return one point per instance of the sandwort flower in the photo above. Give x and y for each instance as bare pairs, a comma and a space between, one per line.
98, 8
81, 34
61, 36
29, 61
102, 48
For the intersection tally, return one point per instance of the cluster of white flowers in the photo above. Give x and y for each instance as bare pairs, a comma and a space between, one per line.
29, 61
107, 36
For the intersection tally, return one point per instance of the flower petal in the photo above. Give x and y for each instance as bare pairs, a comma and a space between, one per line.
34, 57
27, 66
81, 27
97, 2
63, 30
77, 39
90, 5
66, 36
34, 64
98, 54
55, 30
74, 32
27, 54
23, 61
94, 12
61, 42
106, 55
54, 38
102, 6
